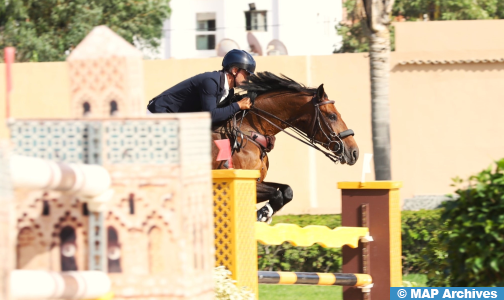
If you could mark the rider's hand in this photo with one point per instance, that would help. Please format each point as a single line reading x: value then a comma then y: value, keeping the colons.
x: 244, y: 103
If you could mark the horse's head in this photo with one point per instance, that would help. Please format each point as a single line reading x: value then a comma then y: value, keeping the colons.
x: 327, y: 128
x: 284, y: 103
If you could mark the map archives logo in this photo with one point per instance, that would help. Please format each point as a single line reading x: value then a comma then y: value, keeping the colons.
x: 400, y: 293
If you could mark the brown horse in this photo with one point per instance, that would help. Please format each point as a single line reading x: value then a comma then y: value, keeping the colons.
x: 282, y: 103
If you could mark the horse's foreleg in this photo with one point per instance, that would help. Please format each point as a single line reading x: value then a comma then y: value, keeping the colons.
x: 278, y: 194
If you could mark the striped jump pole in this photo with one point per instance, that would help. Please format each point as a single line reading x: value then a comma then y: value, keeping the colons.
x: 343, y: 279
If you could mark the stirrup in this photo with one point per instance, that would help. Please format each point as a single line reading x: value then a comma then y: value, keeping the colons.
x: 265, y: 214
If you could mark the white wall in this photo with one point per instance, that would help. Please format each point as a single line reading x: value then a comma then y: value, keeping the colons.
x: 308, y: 27
x: 180, y: 29
x: 305, y: 28
x: 235, y: 22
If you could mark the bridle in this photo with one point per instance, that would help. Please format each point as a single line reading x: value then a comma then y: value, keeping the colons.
x: 336, y: 155
x: 331, y: 136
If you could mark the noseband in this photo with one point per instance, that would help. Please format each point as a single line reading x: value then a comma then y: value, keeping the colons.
x: 331, y: 136
x: 308, y: 138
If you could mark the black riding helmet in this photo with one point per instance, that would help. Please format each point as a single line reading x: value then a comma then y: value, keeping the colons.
x: 240, y: 59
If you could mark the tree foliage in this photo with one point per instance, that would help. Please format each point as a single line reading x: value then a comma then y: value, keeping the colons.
x: 355, y: 34
x: 438, y: 10
x: 46, y: 30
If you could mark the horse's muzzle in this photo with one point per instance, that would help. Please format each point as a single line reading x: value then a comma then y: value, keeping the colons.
x: 351, y: 155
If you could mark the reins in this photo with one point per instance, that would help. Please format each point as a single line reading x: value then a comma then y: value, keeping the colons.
x: 332, y: 137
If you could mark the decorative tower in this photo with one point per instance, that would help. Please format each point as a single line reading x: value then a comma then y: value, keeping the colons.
x: 154, y: 234
x: 106, y: 76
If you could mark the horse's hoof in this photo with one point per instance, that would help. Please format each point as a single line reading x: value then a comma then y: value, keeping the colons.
x: 265, y: 214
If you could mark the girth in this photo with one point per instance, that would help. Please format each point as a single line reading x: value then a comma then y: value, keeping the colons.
x: 266, y: 141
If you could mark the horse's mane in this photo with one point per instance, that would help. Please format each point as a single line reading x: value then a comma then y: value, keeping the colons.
x: 266, y: 82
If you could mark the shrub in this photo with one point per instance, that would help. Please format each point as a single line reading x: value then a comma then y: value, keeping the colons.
x: 417, y: 230
x: 474, y: 234
x: 434, y: 259
x: 225, y: 289
x: 286, y: 257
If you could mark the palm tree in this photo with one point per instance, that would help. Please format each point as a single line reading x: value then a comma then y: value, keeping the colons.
x: 377, y: 14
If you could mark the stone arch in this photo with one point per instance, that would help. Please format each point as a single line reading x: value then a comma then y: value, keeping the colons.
x: 157, y: 228
x: 154, y: 219
x: 156, y: 253
x: 26, y: 248
x: 118, y: 219
x: 113, y: 251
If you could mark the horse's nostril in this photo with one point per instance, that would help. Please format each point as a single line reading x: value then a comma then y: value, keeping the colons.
x: 355, y: 154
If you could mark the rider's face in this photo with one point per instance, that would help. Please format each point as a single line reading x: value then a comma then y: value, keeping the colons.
x: 241, y: 77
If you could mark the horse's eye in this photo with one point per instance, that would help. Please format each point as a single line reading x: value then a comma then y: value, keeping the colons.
x: 333, y: 117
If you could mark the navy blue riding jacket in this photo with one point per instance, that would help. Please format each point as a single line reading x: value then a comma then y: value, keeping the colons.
x: 199, y: 93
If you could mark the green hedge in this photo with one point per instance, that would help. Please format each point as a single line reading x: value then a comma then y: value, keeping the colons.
x: 468, y: 249
x: 417, y: 229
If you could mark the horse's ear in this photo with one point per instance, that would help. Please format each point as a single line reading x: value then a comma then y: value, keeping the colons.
x: 320, y: 92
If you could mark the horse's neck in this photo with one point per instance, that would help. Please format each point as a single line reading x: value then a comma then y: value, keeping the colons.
x: 285, y: 107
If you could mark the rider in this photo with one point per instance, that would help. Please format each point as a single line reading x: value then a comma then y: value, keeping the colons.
x: 205, y: 91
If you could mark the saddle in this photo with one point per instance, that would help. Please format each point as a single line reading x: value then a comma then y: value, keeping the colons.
x: 265, y: 141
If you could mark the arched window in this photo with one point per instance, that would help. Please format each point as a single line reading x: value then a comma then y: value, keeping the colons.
x: 113, y: 251
x: 113, y: 108
x: 86, y: 108
x: 156, y: 253
x: 68, y: 249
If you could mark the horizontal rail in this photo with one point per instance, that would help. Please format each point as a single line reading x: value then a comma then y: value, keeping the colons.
x: 344, y: 279
x: 309, y: 235
x: 36, y: 173
x: 34, y: 284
